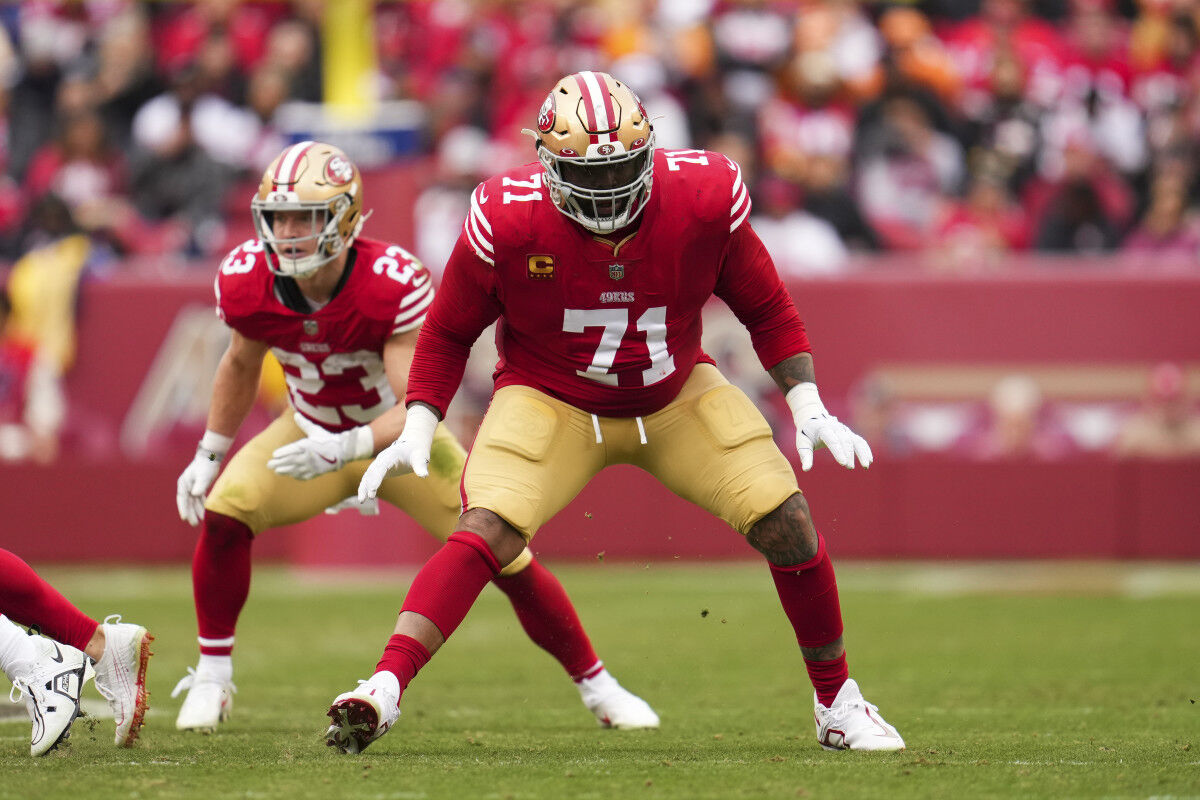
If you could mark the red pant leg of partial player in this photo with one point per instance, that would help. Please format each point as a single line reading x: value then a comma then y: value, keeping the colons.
x: 220, y: 580
x: 549, y: 618
x: 29, y: 600
x: 809, y: 595
x: 443, y: 592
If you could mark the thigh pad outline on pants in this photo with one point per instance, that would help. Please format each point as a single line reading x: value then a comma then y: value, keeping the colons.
x: 527, y: 461
x: 749, y: 477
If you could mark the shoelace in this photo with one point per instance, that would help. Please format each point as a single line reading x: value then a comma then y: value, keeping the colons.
x: 20, y: 688
x: 190, y: 680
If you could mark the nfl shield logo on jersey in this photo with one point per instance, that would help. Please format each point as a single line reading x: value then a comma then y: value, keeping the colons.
x: 616, y: 271
x: 310, y: 327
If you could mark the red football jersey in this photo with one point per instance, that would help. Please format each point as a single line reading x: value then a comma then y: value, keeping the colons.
x: 333, y: 357
x: 618, y: 333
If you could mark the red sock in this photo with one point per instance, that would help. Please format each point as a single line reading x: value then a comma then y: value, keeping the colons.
x: 448, y: 584
x: 29, y: 600
x: 809, y: 596
x: 220, y: 580
x: 827, y: 677
x: 549, y: 618
x: 403, y: 657
x: 443, y: 593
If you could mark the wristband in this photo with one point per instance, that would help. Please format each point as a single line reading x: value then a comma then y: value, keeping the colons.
x: 804, y: 401
x: 216, y: 444
x: 362, y: 443
x: 420, y: 424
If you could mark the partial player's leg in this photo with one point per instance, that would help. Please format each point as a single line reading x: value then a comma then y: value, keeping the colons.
x: 529, y: 460
x: 52, y: 674
x: 713, y: 447
x: 49, y: 676
x: 247, y: 499
x: 542, y: 605
x: 28, y: 599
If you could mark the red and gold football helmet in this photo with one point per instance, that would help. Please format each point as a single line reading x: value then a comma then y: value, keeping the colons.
x: 317, y: 178
x: 597, y: 145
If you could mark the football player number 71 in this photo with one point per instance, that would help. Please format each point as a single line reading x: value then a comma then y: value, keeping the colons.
x: 615, y: 321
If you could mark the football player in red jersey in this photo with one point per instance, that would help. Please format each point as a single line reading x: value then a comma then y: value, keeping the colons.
x: 341, y: 314
x: 597, y: 260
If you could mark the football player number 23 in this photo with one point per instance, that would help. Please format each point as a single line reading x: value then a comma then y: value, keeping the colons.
x: 615, y: 322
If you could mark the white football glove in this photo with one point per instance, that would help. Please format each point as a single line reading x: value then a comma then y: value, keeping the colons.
x: 816, y: 427
x: 367, y: 509
x: 321, y: 451
x: 409, y: 453
x: 195, y: 481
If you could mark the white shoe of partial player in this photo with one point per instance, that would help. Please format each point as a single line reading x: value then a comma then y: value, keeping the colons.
x: 121, y: 676
x: 614, y: 705
x: 208, y: 703
x: 361, y: 716
x: 51, y: 687
x: 852, y: 723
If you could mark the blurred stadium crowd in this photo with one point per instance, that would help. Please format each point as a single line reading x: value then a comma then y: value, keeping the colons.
x: 959, y: 132
x: 971, y: 128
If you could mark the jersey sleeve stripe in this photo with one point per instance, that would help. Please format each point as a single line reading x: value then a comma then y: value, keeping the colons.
x: 417, y: 295
x: 737, y: 179
x: 477, y: 211
x: 413, y: 317
x: 740, y: 210
x: 480, y: 245
x: 481, y: 235
x: 479, y: 251
x: 478, y: 230
x: 409, y: 326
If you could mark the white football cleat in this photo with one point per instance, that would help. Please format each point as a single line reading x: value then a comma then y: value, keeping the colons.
x: 852, y: 723
x: 208, y: 703
x: 614, y: 705
x: 361, y: 716
x: 51, y: 687
x: 121, y: 676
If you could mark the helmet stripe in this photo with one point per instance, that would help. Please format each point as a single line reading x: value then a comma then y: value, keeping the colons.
x: 285, y: 173
x: 588, y: 106
x: 598, y: 104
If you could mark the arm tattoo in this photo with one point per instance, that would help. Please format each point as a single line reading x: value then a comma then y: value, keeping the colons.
x: 793, y: 371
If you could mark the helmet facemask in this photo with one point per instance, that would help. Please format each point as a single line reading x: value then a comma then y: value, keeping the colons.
x: 315, y: 183
x: 596, y: 145
x: 325, y: 222
x: 603, y: 193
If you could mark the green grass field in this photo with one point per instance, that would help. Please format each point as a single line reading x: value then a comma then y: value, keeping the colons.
x: 1031, y: 681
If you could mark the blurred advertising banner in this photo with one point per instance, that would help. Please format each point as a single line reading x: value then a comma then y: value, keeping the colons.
x: 995, y: 405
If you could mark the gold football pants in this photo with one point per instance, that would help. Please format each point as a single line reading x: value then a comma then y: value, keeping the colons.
x: 710, y: 446
x: 262, y: 499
